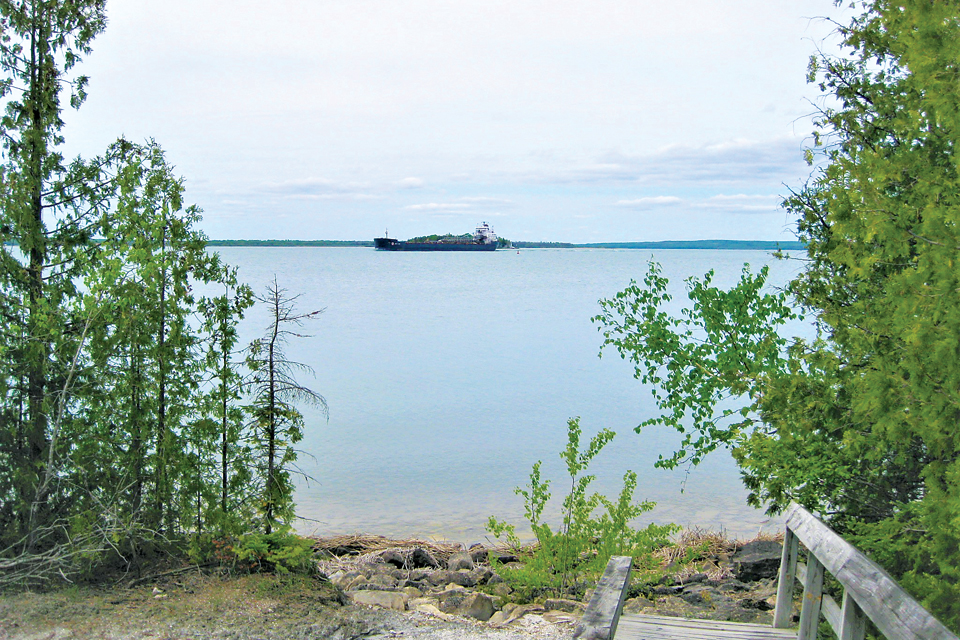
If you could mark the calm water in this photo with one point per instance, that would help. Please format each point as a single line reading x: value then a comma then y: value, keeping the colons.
x: 449, y: 374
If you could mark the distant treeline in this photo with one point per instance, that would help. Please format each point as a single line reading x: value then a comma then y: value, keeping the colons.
x: 542, y: 245
x: 754, y: 245
x: 290, y: 243
x: 751, y: 245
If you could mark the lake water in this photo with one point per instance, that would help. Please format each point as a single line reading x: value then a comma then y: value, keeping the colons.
x: 449, y: 374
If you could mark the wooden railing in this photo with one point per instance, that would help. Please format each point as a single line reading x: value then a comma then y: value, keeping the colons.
x: 599, y: 621
x: 869, y: 592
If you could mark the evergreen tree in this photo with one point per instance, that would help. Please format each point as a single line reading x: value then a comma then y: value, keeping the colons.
x: 227, y: 418
x: 277, y: 423
x: 44, y: 209
x: 145, y: 268
x: 119, y: 416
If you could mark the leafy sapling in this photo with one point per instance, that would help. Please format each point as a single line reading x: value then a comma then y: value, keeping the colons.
x: 584, y: 541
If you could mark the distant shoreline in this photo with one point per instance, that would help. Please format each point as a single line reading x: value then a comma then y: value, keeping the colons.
x: 743, y: 245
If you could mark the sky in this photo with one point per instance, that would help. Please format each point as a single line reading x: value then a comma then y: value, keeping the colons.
x: 567, y: 120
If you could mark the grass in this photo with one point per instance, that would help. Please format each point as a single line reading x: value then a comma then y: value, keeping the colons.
x: 182, y: 606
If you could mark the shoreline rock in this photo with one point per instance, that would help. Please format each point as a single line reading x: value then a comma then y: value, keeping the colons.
x: 458, y: 583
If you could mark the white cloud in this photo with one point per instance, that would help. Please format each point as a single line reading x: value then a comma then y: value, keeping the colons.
x: 438, y: 206
x: 741, y: 202
x: 307, y: 189
x: 485, y: 200
x: 333, y: 196
x: 733, y: 164
x: 409, y: 183
x: 653, y: 201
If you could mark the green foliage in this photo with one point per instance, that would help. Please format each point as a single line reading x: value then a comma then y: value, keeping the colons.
x: 278, y: 552
x: 592, y: 529
x: 276, y: 423
x: 221, y: 315
x: 858, y: 424
x: 723, y: 346
x: 121, y: 424
x: 45, y: 208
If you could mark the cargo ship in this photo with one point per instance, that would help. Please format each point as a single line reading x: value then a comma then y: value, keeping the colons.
x: 483, y: 239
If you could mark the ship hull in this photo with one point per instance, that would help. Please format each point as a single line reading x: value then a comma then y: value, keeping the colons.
x: 389, y: 244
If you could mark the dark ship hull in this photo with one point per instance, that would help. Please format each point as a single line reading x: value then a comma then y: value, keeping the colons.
x: 390, y: 244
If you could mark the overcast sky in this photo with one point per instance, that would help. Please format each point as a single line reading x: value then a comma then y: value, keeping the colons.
x: 565, y: 120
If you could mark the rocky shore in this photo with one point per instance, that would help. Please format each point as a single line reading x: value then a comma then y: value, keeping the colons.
x: 713, y: 579
x: 371, y: 587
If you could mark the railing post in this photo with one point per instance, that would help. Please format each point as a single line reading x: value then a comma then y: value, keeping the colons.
x: 599, y: 621
x: 853, y: 623
x: 785, y: 586
x: 812, y: 598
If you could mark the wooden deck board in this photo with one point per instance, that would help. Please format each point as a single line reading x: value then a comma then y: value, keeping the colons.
x: 666, y: 628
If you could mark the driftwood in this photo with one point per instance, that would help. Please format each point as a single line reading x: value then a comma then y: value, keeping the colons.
x: 362, y: 544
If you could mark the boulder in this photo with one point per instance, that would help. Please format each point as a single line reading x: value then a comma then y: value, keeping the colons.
x: 512, y: 612
x: 412, y: 592
x: 562, y: 604
x: 560, y: 617
x: 384, y: 580
x: 353, y: 583
x: 385, y: 599
x: 343, y: 580
x: 476, y: 605
x: 756, y: 560
x: 413, y: 603
x: 636, y: 605
x: 433, y: 611
x: 478, y: 553
x: 761, y: 604
x: 482, y: 574
x: 703, y: 595
x: 393, y: 557
x: 462, y: 578
x: 498, y: 619
x: 762, y: 597
x: 461, y: 560
x: 503, y: 557
x: 438, y: 578
x: 371, y: 586
x: 733, y: 612
x: 665, y: 590
x: 451, y: 599
x: 421, y: 558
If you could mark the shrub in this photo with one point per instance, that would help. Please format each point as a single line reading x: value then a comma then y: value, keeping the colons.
x: 593, y: 527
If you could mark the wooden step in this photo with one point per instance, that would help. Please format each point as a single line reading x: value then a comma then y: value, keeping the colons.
x: 644, y: 627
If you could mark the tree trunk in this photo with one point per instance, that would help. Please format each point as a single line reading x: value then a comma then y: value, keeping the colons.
x: 38, y: 341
